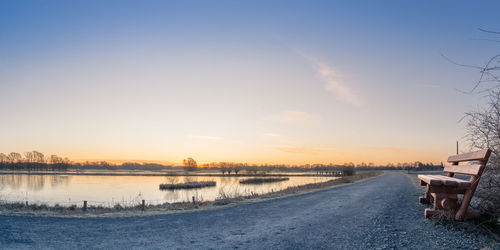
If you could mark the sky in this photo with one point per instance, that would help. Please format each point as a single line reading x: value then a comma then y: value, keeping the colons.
x: 289, y: 82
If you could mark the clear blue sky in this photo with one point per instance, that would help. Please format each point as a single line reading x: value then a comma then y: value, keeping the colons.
x: 248, y: 81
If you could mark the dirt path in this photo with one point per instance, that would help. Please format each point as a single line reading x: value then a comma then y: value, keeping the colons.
x: 382, y: 212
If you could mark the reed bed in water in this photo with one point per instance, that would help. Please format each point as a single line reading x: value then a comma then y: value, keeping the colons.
x: 263, y: 180
x: 188, y: 185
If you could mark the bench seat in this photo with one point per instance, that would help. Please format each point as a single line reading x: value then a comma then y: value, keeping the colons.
x: 441, y: 180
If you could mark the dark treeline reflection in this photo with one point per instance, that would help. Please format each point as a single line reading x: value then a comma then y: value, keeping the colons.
x: 33, y: 182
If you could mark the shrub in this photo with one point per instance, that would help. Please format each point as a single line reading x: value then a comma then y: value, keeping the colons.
x: 348, y: 171
x: 482, y: 132
x: 487, y: 198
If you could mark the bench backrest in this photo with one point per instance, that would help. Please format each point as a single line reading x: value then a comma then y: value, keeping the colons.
x: 481, y: 157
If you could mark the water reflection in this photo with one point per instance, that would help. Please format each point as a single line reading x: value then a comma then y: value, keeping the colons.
x: 32, y: 182
x: 129, y: 190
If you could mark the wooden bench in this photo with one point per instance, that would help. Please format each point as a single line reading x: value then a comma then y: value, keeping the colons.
x: 444, y: 190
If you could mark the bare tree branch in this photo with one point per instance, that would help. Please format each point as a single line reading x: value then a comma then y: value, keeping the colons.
x: 489, y: 31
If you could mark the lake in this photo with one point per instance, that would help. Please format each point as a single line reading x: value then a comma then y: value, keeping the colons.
x: 108, y: 190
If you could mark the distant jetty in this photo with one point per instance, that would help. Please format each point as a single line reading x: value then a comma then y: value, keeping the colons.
x: 263, y: 180
x: 188, y: 185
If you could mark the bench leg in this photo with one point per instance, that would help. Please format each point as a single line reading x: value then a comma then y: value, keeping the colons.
x: 444, y: 206
x: 437, y: 200
x: 462, y: 211
x: 426, y: 198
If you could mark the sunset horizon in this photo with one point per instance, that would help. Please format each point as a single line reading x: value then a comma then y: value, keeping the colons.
x: 249, y: 124
x: 273, y: 161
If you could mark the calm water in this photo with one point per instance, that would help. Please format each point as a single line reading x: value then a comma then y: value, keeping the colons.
x: 66, y: 190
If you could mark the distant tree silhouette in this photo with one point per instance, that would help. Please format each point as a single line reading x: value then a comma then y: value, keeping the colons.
x: 29, y: 157
x: 3, y: 160
x: 223, y: 168
x: 14, y: 157
x: 33, y: 160
x: 189, y: 164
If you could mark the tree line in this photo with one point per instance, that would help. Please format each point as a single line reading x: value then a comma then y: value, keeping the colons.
x: 33, y: 160
x: 229, y: 167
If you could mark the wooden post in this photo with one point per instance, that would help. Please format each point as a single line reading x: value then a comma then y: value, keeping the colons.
x: 84, y: 205
x: 193, y: 199
x: 454, y: 163
x: 143, y: 205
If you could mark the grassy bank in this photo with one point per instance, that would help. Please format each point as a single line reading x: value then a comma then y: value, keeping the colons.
x: 223, y: 199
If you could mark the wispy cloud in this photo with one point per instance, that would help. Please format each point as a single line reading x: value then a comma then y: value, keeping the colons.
x: 300, y: 150
x: 297, y: 117
x: 333, y: 81
x: 204, y: 137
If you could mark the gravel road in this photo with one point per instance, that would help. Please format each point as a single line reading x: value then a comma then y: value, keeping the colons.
x: 382, y: 212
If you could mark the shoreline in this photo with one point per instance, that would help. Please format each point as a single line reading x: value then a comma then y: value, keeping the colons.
x: 162, y: 173
x: 18, y: 209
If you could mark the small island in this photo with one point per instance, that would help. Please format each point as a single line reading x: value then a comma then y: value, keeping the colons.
x: 263, y: 180
x: 188, y: 185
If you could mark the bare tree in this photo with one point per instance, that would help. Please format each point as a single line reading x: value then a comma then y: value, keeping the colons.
x: 66, y: 161
x: 33, y: 160
x: 483, y: 131
x: 28, y: 156
x: 54, y: 159
x: 489, y: 73
x: 223, y: 168
x: 38, y: 157
x: 189, y: 164
x: 3, y: 159
x: 14, y: 158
